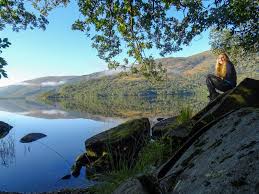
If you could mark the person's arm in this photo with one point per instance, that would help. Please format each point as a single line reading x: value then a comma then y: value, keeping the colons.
x: 230, y: 70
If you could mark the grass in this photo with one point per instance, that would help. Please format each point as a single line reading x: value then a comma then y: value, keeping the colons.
x: 185, y: 115
x: 151, y: 155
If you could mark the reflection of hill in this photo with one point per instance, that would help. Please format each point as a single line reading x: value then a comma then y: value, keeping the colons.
x: 103, y: 109
x: 21, y: 105
x: 125, y: 107
x: 47, y: 111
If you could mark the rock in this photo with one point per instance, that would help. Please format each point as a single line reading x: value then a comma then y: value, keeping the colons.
x: 224, y: 159
x: 141, y: 184
x: 32, y: 137
x: 163, y: 126
x: 160, y: 119
x: 247, y: 90
x: 131, y: 186
x: 82, y: 160
x: 115, y: 147
x: 4, y: 129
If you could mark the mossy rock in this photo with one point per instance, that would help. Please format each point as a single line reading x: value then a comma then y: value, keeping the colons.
x: 163, y: 126
x: 122, y: 131
x: 119, y: 144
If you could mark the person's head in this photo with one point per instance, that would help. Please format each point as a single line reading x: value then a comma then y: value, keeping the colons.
x: 222, y: 58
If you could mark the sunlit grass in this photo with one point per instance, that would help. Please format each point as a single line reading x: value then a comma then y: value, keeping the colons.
x: 185, y: 115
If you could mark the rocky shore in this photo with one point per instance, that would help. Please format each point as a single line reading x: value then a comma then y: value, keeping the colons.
x: 216, y: 151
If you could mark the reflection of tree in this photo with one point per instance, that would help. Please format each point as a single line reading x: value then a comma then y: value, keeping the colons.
x: 7, y: 150
x: 27, y: 149
x: 133, y: 106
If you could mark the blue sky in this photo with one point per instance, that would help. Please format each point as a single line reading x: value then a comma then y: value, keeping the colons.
x: 61, y: 51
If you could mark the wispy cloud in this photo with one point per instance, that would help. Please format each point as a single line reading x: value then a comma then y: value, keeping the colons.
x: 52, y: 83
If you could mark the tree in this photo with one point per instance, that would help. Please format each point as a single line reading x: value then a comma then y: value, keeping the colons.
x: 164, y: 24
x: 15, y: 13
x: 4, y: 43
x: 145, y: 24
x: 225, y: 41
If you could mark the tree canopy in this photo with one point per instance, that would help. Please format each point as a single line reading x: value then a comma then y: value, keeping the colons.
x: 166, y: 25
x: 4, y: 43
x: 20, y: 15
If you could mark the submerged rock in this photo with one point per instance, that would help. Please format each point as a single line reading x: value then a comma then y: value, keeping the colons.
x: 32, y: 137
x: 68, y: 176
x: 4, y: 129
x: 81, y: 161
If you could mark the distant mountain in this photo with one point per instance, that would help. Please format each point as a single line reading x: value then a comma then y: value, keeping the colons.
x: 199, y: 63
x: 176, y: 66
x: 31, y: 88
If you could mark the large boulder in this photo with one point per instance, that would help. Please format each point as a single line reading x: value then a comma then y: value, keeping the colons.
x: 4, y: 129
x: 115, y: 147
x: 225, y: 159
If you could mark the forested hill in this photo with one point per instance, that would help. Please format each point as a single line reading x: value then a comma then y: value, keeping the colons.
x: 199, y: 63
x: 185, y: 75
x: 34, y: 87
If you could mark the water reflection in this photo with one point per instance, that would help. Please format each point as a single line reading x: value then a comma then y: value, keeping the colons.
x: 67, y: 125
x: 7, y: 150
x: 47, y: 160
x: 104, y: 109
x: 131, y: 106
x: 27, y: 149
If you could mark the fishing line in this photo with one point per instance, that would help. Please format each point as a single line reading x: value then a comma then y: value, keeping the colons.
x: 66, y: 161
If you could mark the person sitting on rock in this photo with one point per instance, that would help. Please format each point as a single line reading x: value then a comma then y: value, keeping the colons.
x: 225, y: 78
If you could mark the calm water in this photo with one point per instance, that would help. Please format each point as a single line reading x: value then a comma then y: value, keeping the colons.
x: 39, y: 166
